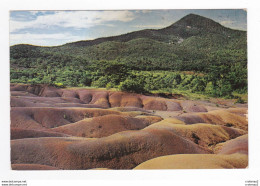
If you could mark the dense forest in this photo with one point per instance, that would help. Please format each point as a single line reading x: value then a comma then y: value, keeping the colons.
x: 195, y: 54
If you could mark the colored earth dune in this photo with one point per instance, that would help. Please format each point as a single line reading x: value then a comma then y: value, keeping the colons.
x: 80, y: 128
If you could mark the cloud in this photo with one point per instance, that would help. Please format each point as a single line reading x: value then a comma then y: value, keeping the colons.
x: 44, y: 39
x: 226, y: 22
x: 36, y: 12
x: 72, y: 19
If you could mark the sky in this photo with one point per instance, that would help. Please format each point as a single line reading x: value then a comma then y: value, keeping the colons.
x: 52, y: 28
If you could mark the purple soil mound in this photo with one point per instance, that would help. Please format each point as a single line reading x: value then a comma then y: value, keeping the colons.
x: 190, y: 106
x: 219, y: 117
x: 42, y: 118
x: 23, y: 133
x: 237, y: 145
x: 32, y: 167
x: 123, y: 150
x: 105, y: 125
x: 196, y: 161
x: 103, y: 98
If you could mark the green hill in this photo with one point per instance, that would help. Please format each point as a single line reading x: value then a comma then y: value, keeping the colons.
x: 194, y: 43
x: 190, y: 39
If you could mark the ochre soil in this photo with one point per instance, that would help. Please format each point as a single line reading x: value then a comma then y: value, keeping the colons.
x: 80, y: 128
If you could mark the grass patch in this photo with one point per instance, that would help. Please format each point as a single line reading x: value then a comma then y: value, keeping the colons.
x: 186, y: 94
x: 241, y: 98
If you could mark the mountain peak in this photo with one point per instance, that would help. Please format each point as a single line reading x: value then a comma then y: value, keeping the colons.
x: 194, y: 20
x: 193, y: 24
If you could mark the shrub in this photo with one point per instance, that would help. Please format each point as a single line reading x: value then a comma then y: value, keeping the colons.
x: 198, y: 84
x: 240, y: 100
x: 132, y: 85
x: 110, y: 85
x: 101, y: 82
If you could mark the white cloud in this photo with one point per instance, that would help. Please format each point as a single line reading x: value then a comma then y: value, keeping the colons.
x: 36, y: 12
x: 44, y: 39
x: 227, y: 22
x: 75, y: 19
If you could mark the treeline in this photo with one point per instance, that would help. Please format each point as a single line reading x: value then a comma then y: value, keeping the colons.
x: 140, y: 65
x: 218, y: 81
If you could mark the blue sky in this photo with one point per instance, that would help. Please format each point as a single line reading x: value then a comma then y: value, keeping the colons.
x: 51, y: 28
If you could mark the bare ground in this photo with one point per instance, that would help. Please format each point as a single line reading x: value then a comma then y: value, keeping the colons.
x: 79, y: 128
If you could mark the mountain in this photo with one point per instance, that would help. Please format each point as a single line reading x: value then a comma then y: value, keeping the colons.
x: 190, y: 25
x: 192, y: 43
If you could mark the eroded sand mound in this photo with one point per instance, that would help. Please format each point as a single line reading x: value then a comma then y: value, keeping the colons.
x: 33, y: 101
x: 237, y: 145
x: 238, y: 111
x: 120, y: 99
x: 223, y: 117
x: 41, y: 117
x: 123, y: 150
x: 149, y: 119
x: 196, y: 161
x: 79, y: 128
x: 18, y: 87
x: 21, y: 93
x: 40, y: 90
x: 189, y: 106
x: 32, y: 167
x: 100, y: 98
x: 205, y: 135
x: 105, y: 125
x: 129, y: 109
x: 17, y: 133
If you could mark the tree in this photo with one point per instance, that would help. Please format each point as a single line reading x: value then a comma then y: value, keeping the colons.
x: 133, y: 85
x: 114, y: 70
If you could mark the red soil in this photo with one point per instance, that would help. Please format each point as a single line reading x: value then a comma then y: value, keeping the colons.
x: 104, y: 98
x: 78, y: 128
x: 17, y: 133
x: 122, y: 150
x: 42, y: 118
x: 32, y: 167
x: 205, y: 135
x: 196, y: 161
x: 237, y: 145
x: 103, y: 126
x: 223, y: 117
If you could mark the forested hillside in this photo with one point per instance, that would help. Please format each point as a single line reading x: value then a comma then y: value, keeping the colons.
x: 144, y: 61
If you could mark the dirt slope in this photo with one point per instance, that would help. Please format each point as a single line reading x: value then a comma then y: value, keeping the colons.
x: 237, y: 145
x: 103, y: 126
x: 17, y: 133
x: 97, y: 97
x: 196, y: 161
x: 32, y: 167
x: 80, y: 128
x: 123, y: 150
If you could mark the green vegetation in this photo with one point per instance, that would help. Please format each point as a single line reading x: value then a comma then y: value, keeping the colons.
x: 217, y: 83
x: 147, y: 61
